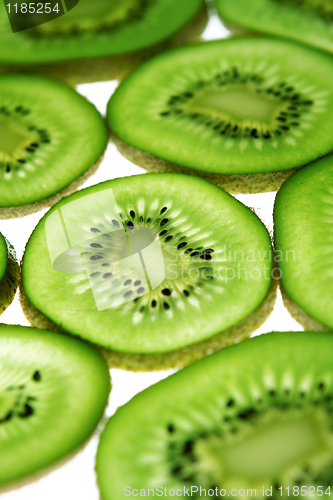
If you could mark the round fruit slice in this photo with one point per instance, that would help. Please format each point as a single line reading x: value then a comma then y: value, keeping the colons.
x: 309, y: 21
x: 303, y: 239
x: 47, y: 148
x: 227, y: 108
x: 151, y: 267
x: 128, y: 30
x: 9, y: 273
x: 53, y: 392
x: 253, y: 416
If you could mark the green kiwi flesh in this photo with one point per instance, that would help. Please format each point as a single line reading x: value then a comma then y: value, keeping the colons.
x: 303, y: 234
x: 252, y: 416
x: 9, y: 273
x: 208, y: 269
x: 96, y: 29
x: 51, y: 138
x: 238, y: 106
x: 53, y: 393
x: 308, y: 21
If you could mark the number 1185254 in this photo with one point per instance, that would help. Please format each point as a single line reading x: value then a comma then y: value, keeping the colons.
x: 32, y: 8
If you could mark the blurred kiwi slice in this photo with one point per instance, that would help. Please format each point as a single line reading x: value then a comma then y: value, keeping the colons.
x: 256, y: 416
x: 9, y: 273
x: 303, y: 240
x: 241, y: 113
x: 53, y: 393
x: 158, y: 270
x: 51, y: 141
x: 306, y: 21
x: 99, y: 40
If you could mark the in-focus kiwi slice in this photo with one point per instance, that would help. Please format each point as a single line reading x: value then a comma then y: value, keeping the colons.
x: 254, y: 416
x: 9, y: 273
x: 307, y: 21
x: 158, y: 269
x: 100, y: 40
x: 51, y: 140
x: 303, y: 239
x: 242, y: 113
x: 53, y: 392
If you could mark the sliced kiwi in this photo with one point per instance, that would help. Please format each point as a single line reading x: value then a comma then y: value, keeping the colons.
x: 242, y: 112
x: 100, y: 40
x: 9, y: 273
x: 303, y: 239
x: 157, y: 269
x: 51, y: 140
x: 307, y: 21
x: 254, y: 416
x: 53, y: 392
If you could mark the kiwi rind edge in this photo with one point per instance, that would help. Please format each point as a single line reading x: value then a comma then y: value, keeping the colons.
x: 261, y: 182
x: 174, y: 359
x: 10, y: 279
x: 307, y: 322
x: 21, y: 211
x: 115, y: 67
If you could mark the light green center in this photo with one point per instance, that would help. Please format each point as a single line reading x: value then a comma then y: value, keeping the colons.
x: 238, y: 104
x: 267, y: 451
x: 10, y: 139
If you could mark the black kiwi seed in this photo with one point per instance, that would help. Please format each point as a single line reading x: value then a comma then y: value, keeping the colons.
x: 96, y: 257
x: 206, y: 256
x: 154, y: 304
x: 132, y: 214
x: 163, y: 232
x: 94, y: 230
x: 166, y: 305
x: 28, y: 411
x: 127, y: 282
x: 166, y: 291
x: 181, y: 245
x: 140, y: 290
x: 164, y: 209
x: 188, y: 250
x: 94, y: 274
x: 195, y: 254
x: 164, y: 221
x: 168, y: 238
x: 115, y: 223
x: 137, y: 283
x: 130, y: 225
x: 171, y: 428
x: 107, y: 275
x: 230, y: 403
x: 37, y: 376
x: 127, y: 294
x: 96, y: 245
x: 186, y: 293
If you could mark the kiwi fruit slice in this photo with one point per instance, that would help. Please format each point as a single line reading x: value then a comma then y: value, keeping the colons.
x: 242, y: 113
x: 157, y: 269
x: 51, y: 141
x: 256, y: 416
x: 303, y: 243
x: 9, y: 273
x: 306, y: 21
x: 101, y: 40
x: 53, y: 393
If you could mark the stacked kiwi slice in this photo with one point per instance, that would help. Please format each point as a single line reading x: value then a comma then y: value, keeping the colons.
x: 241, y: 113
x: 9, y: 273
x: 303, y: 240
x: 134, y: 266
x: 98, y: 40
x: 307, y: 21
x: 51, y: 141
x: 254, y: 417
x: 53, y: 392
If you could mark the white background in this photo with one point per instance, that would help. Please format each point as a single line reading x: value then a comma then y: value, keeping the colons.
x: 76, y: 479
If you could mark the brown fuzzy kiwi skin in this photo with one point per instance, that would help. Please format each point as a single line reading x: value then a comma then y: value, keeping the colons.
x: 307, y: 322
x: 262, y: 182
x: 115, y: 67
x: 174, y: 359
x: 21, y: 211
x: 10, y: 279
